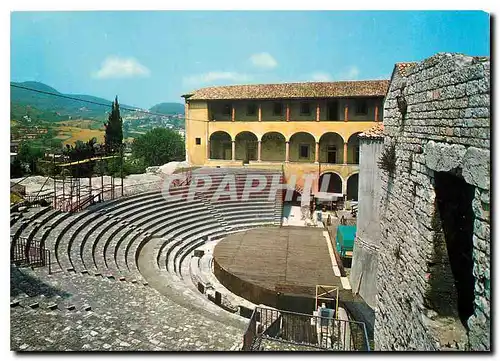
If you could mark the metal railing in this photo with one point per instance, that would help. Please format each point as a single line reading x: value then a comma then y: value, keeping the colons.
x: 326, y: 333
x: 30, y: 254
x: 38, y: 197
x: 250, y: 335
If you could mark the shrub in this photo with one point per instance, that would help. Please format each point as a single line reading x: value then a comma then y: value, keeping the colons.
x: 130, y: 166
x: 387, y: 161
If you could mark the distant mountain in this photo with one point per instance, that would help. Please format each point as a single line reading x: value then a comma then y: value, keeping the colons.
x: 168, y: 108
x: 38, y: 86
x: 55, y: 108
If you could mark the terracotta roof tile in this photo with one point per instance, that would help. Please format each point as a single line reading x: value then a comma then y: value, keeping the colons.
x: 293, y: 90
x: 377, y: 131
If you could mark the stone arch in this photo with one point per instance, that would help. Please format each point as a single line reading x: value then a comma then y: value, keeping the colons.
x: 353, y: 148
x: 352, y: 187
x: 331, y: 148
x: 220, y: 145
x: 332, y: 171
x: 246, y: 146
x: 302, y: 147
x: 273, y: 147
x: 330, y: 182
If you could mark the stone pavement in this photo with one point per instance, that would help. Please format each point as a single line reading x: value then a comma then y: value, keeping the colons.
x: 272, y: 345
x: 122, y: 317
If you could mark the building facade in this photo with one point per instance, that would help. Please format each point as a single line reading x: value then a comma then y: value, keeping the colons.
x: 303, y: 128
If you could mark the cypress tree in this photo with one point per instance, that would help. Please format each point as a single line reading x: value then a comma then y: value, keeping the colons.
x: 113, y: 137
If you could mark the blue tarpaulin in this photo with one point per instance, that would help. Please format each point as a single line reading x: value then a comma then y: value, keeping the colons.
x: 345, y: 240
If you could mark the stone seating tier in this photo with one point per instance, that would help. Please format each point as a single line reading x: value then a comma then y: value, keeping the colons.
x: 142, y: 239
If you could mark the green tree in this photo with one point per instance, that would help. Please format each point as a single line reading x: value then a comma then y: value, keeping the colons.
x: 79, y: 152
x: 16, y: 168
x: 130, y: 166
x: 29, y: 154
x: 113, y: 136
x: 159, y: 146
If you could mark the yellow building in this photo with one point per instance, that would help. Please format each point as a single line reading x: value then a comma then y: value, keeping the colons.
x: 302, y: 128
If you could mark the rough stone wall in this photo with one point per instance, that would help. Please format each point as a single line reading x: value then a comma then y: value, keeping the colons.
x: 363, y: 276
x: 446, y: 129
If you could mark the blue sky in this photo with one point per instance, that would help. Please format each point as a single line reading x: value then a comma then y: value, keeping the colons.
x: 151, y: 57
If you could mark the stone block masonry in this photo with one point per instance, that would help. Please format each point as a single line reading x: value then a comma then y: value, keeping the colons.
x: 433, y: 275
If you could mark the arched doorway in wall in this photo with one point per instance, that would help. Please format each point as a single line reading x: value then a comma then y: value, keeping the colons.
x: 353, y: 149
x: 352, y: 187
x: 220, y: 146
x: 273, y: 147
x: 302, y: 147
x: 330, y: 182
x: 246, y: 146
x: 331, y: 148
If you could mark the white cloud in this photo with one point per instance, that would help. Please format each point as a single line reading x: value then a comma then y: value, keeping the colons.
x: 116, y: 67
x: 213, y: 76
x: 351, y: 73
x: 320, y: 76
x: 263, y: 60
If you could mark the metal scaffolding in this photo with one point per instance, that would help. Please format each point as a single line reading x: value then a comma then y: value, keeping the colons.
x: 70, y: 195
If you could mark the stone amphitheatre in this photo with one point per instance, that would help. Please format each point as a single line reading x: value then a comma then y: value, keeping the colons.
x: 174, y: 266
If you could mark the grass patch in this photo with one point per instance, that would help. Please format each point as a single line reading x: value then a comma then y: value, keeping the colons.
x: 70, y: 134
x: 15, y: 198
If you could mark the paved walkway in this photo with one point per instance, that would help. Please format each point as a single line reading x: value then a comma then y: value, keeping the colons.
x: 123, y: 317
x: 295, y: 218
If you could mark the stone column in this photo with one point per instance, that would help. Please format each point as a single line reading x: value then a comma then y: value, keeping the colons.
x: 316, y: 184
x: 259, y: 150
x: 287, y: 152
x: 345, y: 153
x: 316, y: 153
x: 376, y: 113
x: 233, y: 150
x: 233, y: 112
x: 260, y: 112
x: 187, y: 131
x: 346, y: 112
x: 317, y: 111
x: 287, y: 111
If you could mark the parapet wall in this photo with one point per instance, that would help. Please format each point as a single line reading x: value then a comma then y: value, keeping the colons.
x: 437, y: 117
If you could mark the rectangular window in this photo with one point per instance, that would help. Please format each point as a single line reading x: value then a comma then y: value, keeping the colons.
x: 277, y: 109
x: 361, y: 107
x: 304, y: 151
x: 227, y: 109
x: 333, y: 110
x: 305, y: 108
x: 331, y: 154
x: 198, y: 141
x: 251, y: 109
